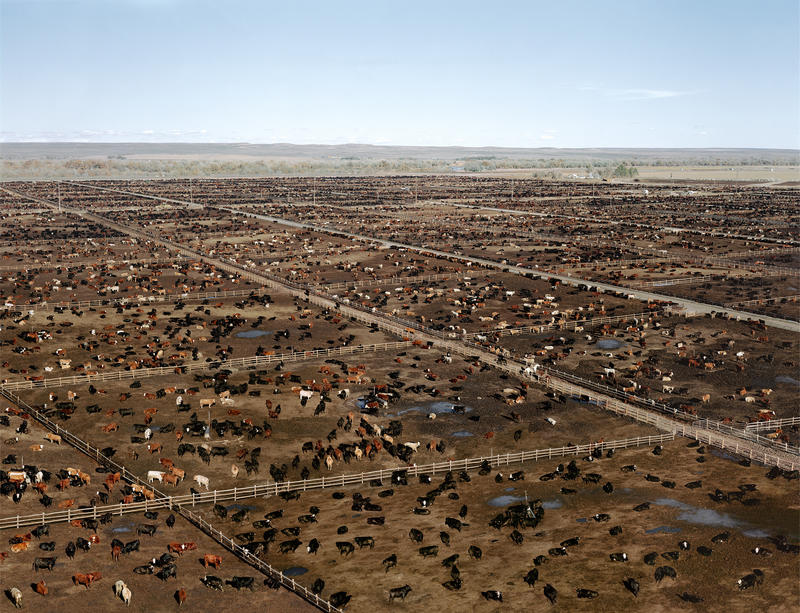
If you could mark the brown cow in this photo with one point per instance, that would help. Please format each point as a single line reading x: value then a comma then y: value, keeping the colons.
x: 180, y: 596
x: 66, y: 504
x: 81, y: 579
x: 170, y: 479
x: 212, y: 560
x: 19, y: 547
x: 115, y: 551
x: 41, y: 588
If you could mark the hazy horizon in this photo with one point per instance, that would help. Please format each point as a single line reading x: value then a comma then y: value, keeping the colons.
x: 521, y: 74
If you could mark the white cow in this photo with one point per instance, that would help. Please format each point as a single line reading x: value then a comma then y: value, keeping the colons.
x: 201, y: 480
x: 126, y: 596
x: 155, y: 475
x: 118, y: 587
x: 16, y: 596
x: 413, y: 446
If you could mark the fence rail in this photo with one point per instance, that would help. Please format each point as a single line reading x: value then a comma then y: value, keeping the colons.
x: 139, y: 299
x: 245, y: 363
x: 569, y: 324
x: 275, y: 488
x: 161, y: 502
x: 405, y: 280
x: 772, y: 424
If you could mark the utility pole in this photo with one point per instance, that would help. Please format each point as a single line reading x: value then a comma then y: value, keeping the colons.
x: 314, y: 191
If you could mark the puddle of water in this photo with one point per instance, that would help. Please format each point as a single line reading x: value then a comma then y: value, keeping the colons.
x: 295, y: 571
x: 462, y: 433
x: 756, y: 533
x: 701, y: 516
x: 725, y: 456
x: 582, y: 520
x: 610, y: 343
x: 552, y: 504
x: 505, y: 500
x: 785, y: 379
x: 240, y: 507
x: 437, y: 407
x: 252, y: 333
x: 509, y: 489
x: 664, y: 529
x: 118, y: 529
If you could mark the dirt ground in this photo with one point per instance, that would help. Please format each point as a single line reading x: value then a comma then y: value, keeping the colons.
x: 148, y: 592
x: 675, y: 515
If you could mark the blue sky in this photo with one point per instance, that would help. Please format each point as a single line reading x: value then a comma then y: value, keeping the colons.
x: 639, y: 73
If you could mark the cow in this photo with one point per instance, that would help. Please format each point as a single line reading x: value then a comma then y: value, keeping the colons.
x: 155, y: 475
x: 148, y: 529
x: 42, y: 563
x: 365, y: 541
x: 430, y: 550
x: 118, y: 587
x: 16, y: 597
x: 241, y: 582
x: 345, y: 547
x: 399, y: 592
x: 212, y: 560
x: 212, y: 582
x: 201, y: 481
x: 180, y: 596
x: 126, y: 595
x: 41, y: 588
x: 493, y: 595
x: 292, y: 545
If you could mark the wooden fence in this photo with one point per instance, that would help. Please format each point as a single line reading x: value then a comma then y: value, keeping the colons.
x: 136, y: 300
x: 248, y: 363
x: 160, y: 502
x: 569, y: 324
x: 772, y: 424
x: 345, y: 480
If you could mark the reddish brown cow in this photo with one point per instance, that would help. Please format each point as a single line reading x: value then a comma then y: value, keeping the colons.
x: 41, y: 588
x: 180, y: 596
x: 212, y: 560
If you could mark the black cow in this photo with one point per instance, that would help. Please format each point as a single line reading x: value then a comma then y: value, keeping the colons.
x: 365, y: 541
x: 632, y: 585
x: 430, y: 550
x: 345, y: 547
x: 340, y: 599
x: 390, y: 562
x: 148, y: 529
x: 399, y: 592
x: 493, y: 595
x: 241, y: 582
x: 287, y: 546
x: 212, y: 582
x: 42, y: 563
x: 584, y: 593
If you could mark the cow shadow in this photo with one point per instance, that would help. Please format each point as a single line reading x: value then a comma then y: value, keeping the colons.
x: 9, y: 596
